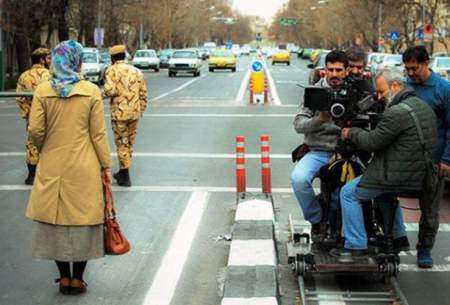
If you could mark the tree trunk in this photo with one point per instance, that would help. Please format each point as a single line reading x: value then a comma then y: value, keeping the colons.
x: 63, y: 28
x: 22, y: 53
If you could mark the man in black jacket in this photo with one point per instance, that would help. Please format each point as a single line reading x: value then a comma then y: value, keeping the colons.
x: 398, y: 164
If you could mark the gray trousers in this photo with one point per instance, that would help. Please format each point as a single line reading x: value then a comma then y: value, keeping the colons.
x: 429, y: 218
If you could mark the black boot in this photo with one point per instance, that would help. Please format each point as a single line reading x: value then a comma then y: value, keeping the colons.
x: 31, y: 174
x: 122, y: 177
x: 125, y: 178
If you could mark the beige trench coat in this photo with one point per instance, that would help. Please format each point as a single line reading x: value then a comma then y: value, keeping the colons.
x: 71, y: 137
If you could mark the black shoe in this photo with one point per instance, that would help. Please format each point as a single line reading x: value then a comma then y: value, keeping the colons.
x: 31, y: 174
x: 123, y: 177
x: 318, y: 231
x: 401, y: 244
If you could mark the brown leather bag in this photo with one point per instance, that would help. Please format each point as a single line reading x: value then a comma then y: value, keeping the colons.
x: 115, y: 241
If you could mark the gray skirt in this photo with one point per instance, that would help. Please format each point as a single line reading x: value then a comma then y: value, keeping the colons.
x: 67, y: 243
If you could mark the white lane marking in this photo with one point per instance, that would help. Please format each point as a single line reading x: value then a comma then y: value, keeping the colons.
x: 165, y: 282
x: 415, y: 268
x: 249, y: 301
x: 162, y: 188
x: 176, y: 155
x: 273, y: 89
x: 220, y: 115
x: 253, y: 252
x: 177, y: 89
x: 412, y: 227
x: 198, y: 115
x: 254, y: 210
x: 287, y: 82
x: 243, y: 88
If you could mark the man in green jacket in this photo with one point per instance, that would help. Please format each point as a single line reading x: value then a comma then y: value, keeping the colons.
x: 398, y: 163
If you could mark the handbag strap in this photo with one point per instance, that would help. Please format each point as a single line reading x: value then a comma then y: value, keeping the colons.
x: 416, y: 122
x: 426, y: 153
x: 110, y: 212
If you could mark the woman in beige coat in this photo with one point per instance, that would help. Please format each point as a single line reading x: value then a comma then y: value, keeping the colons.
x: 66, y: 203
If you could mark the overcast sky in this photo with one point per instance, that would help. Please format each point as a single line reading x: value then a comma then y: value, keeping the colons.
x: 263, y: 8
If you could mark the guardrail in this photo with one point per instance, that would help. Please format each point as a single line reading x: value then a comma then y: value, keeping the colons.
x: 4, y: 94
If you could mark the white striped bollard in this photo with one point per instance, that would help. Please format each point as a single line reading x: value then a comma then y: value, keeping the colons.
x: 266, y: 174
x: 240, y: 165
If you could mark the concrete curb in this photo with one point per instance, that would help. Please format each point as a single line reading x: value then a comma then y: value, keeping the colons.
x: 251, y: 273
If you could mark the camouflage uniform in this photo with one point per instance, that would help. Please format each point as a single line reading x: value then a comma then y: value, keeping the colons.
x: 126, y: 86
x: 27, y: 82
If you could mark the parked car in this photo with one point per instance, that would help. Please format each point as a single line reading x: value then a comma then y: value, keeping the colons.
x: 318, y: 69
x: 281, y: 56
x: 185, y: 61
x: 441, y: 65
x: 441, y: 54
x: 146, y: 59
x: 387, y: 61
x: 92, y: 67
x: 164, y: 56
x: 373, y: 60
x: 222, y: 59
x: 236, y: 49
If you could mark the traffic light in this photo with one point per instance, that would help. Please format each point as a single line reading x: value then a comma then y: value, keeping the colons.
x: 258, y: 37
x: 428, y: 28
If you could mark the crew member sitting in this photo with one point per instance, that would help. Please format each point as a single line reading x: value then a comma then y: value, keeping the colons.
x: 398, y: 164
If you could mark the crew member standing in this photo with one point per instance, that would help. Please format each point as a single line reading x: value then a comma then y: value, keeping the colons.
x: 28, y: 80
x: 126, y: 86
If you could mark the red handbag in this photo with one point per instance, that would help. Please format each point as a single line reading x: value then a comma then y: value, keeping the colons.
x: 114, y: 239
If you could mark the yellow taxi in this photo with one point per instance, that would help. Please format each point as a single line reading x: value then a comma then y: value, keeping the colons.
x: 281, y: 56
x: 222, y: 59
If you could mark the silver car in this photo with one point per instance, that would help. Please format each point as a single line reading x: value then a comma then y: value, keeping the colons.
x: 93, y: 68
x: 441, y: 65
x: 146, y: 59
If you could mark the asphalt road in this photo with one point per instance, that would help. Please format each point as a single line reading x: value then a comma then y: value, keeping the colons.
x: 183, y: 198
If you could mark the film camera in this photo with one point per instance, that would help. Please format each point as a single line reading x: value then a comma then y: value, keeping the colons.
x: 352, y: 105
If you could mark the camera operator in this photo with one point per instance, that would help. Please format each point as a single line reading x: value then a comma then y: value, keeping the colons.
x: 398, y: 163
x: 320, y: 136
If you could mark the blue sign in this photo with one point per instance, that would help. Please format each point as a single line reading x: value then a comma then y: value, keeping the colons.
x: 257, y: 66
x: 420, y: 34
x: 394, y: 35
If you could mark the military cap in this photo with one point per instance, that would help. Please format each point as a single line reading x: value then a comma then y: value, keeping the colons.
x: 41, y: 51
x: 117, y: 49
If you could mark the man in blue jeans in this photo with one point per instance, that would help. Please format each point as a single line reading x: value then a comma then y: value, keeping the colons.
x: 435, y: 91
x: 321, y: 135
x: 398, y: 163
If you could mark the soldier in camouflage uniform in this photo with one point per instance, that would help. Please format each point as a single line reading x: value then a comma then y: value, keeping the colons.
x: 28, y: 80
x: 126, y: 86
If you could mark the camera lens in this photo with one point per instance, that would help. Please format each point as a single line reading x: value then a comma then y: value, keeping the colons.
x: 337, y: 110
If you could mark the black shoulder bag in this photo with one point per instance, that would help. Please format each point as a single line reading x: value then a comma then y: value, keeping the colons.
x: 431, y: 169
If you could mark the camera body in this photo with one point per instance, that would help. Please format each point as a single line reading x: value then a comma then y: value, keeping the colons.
x: 354, y: 104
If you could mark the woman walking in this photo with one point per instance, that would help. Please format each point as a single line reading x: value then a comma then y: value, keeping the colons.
x: 66, y: 203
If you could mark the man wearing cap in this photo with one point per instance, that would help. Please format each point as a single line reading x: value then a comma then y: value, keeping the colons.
x: 126, y: 86
x: 28, y: 80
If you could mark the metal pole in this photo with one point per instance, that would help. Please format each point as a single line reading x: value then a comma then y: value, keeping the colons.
x: 380, y: 20
x: 99, y: 22
x: 2, y: 70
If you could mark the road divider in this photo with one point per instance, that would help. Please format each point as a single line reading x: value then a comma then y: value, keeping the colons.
x: 242, y: 89
x: 251, y: 273
x: 273, y: 89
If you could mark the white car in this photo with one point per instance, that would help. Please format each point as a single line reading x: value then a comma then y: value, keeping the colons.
x: 391, y: 61
x: 441, y: 65
x: 146, y: 59
x: 92, y: 68
x: 245, y: 51
x: 185, y: 61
